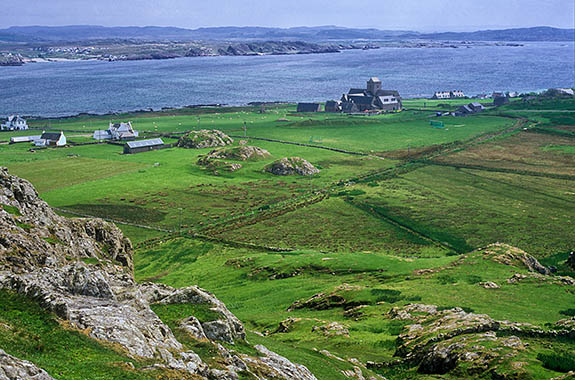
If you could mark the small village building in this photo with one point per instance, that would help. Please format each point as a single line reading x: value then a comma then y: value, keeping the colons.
x: 469, y: 109
x: 370, y: 99
x: 565, y: 91
x: 118, y: 132
x: 441, y: 95
x: 143, y: 146
x: 455, y: 94
x: 333, y: 106
x: 14, y: 123
x: 51, y: 139
x: 24, y: 139
x: 308, y: 107
x: 497, y: 94
x: 500, y: 100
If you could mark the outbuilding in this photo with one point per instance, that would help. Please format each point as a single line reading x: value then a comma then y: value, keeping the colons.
x: 308, y: 107
x: 143, y: 146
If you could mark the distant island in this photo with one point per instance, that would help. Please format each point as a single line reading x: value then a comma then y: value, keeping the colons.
x: 19, y: 45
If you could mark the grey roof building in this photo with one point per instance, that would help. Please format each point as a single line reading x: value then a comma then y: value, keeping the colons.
x: 371, y: 98
x: 308, y: 107
x: 143, y: 146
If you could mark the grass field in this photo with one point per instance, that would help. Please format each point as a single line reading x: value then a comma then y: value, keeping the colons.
x: 360, y: 230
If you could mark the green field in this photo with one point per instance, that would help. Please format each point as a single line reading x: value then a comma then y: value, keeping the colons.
x: 399, y: 225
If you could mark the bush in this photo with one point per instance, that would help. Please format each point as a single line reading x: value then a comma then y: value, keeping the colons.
x: 473, y: 279
x: 558, y: 361
x: 387, y: 295
x: 446, y: 279
x: 568, y: 312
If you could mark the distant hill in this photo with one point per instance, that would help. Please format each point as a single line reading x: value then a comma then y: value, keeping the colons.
x: 322, y: 33
x: 541, y: 33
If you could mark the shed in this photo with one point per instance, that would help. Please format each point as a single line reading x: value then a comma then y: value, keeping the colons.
x: 143, y: 146
x: 308, y: 107
x: 23, y: 139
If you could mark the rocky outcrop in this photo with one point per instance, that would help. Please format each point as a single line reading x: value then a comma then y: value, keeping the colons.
x: 276, y: 366
x: 509, y: 255
x: 467, y: 344
x: 82, y: 270
x: 204, y: 139
x: 239, y: 153
x: 12, y: 368
x: 291, y: 166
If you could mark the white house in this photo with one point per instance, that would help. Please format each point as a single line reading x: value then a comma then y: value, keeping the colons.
x: 23, y: 139
x: 441, y: 95
x: 14, y: 123
x: 117, y: 131
x: 448, y: 94
x: 51, y: 139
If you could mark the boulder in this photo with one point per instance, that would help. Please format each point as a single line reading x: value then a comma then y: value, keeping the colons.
x: 12, y: 368
x: 489, y: 285
x: 43, y: 256
x: 204, y: 139
x: 291, y: 166
x: 239, y: 153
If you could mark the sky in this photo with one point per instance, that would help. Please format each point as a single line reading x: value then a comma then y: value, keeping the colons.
x: 419, y: 15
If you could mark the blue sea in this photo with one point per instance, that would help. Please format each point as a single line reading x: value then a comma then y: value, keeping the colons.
x: 67, y: 88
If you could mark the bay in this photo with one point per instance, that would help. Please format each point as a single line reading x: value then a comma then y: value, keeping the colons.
x: 67, y: 88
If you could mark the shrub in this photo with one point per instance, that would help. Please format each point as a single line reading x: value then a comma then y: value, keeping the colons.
x: 568, y: 312
x: 445, y: 279
x: 387, y: 295
x: 558, y: 361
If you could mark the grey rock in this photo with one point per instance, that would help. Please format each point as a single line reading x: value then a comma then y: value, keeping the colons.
x: 291, y: 166
x: 12, y: 368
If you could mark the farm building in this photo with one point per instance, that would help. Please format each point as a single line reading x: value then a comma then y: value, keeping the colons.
x: 117, y: 131
x: 14, y: 123
x: 469, y: 109
x: 372, y: 98
x: 51, y: 139
x: 500, y: 100
x: 23, y: 139
x: 143, y: 146
x: 308, y: 107
x: 448, y: 94
x: 333, y: 106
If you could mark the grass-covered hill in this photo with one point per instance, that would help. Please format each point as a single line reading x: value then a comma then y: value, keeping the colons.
x: 464, y: 231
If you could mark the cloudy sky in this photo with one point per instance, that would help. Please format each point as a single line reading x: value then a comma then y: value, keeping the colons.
x: 424, y: 15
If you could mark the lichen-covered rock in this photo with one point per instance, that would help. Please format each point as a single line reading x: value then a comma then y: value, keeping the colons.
x: 273, y: 365
x: 332, y: 329
x: 204, y: 138
x: 438, y: 341
x: 82, y: 270
x: 291, y: 166
x: 12, y: 368
x: 509, y: 255
x: 239, y: 153
x: 489, y: 285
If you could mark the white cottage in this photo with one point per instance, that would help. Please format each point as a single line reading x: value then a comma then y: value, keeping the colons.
x: 14, y: 123
x: 117, y: 131
x: 51, y: 139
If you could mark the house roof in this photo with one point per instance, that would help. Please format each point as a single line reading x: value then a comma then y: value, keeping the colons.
x: 388, y: 92
x: 55, y: 136
x: 364, y: 100
x: 144, y: 143
x: 356, y: 91
x: 477, y: 105
x: 374, y: 80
